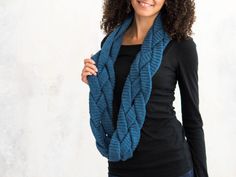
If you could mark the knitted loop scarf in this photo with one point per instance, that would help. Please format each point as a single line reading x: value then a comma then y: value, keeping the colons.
x: 119, y: 144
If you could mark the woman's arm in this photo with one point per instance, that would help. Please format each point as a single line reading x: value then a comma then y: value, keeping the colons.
x: 187, y: 75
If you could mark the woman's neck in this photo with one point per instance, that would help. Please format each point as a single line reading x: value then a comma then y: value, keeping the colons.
x: 139, y: 28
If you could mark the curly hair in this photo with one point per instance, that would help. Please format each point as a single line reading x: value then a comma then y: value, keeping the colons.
x: 178, y: 16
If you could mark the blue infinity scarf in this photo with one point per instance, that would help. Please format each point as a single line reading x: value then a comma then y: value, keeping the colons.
x: 119, y: 144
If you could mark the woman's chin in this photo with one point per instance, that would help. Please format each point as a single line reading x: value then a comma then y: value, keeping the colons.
x: 146, y: 9
x: 145, y: 14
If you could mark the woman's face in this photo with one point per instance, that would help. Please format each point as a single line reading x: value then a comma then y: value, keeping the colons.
x: 147, y: 7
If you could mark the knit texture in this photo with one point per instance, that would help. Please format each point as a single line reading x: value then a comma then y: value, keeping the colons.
x: 120, y: 143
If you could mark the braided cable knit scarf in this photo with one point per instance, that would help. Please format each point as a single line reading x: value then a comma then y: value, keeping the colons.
x: 119, y: 144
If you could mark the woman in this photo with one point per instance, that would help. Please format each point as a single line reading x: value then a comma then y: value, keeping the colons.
x: 164, y: 147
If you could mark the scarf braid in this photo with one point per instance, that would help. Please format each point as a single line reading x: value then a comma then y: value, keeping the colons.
x: 120, y: 143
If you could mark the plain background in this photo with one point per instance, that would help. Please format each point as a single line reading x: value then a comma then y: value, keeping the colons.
x: 44, y: 118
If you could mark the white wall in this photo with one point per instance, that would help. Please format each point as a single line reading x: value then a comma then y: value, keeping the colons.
x: 44, y: 119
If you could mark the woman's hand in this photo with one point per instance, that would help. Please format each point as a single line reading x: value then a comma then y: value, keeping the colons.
x: 89, y: 69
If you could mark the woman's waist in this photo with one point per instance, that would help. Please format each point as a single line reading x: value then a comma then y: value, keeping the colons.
x: 161, y: 127
x: 158, y: 160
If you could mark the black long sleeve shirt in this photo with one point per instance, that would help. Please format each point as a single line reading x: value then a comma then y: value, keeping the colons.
x: 167, y: 148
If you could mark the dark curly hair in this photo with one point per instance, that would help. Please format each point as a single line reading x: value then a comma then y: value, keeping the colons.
x: 178, y: 16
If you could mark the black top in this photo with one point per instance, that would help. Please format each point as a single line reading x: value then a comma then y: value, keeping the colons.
x: 166, y: 147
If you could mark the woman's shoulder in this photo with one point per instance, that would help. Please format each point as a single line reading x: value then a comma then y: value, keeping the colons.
x: 183, y: 47
x: 185, y: 43
x: 182, y: 52
x: 182, y: 44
